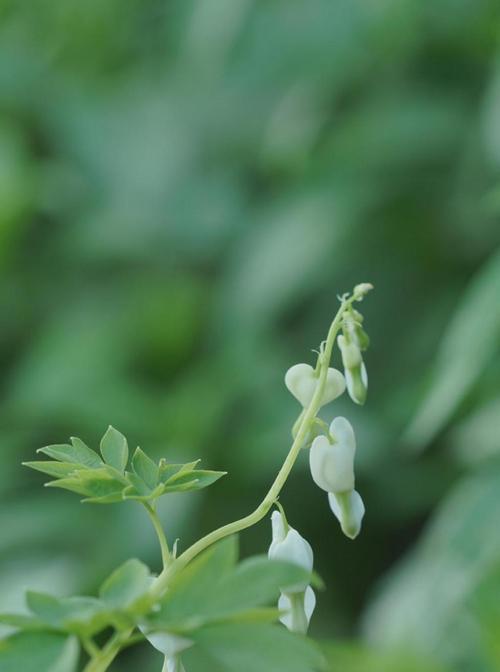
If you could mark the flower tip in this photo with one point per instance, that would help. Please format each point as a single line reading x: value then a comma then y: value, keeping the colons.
x: 361, y: 290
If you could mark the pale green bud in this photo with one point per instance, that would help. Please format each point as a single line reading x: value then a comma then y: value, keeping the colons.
x: 332, y: 465
x: 349, y: 509
x: 302, y: 380
x: 355, y: 373
x: 361, y: 290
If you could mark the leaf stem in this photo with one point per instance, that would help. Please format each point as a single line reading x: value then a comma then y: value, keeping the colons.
x: 304, y: 423
x: 165, y: 551
x: 105, y: 657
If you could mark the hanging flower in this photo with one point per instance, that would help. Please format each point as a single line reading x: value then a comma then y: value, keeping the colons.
x: 332, y: 464
x: 297, y: 601
x: 302, y: 380
x: 349, y: 510
x: 354, y: 369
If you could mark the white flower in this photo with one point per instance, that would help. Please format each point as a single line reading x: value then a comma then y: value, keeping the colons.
x: 299, y: 609
x: 298, y: 600
x: 301, y: 380
x: 332, y: 465
x: 289, y: 546
x: 168, y: 644
x: 349, y: 509
x: 354, y: 370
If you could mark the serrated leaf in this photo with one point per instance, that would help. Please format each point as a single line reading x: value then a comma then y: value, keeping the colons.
x: 126, y: 584
x: 78, y: 453
x: 249, y: 647
x: 145, y: 468
x: 39, y: 652
x: 114, y: 449
x: 57, y: 469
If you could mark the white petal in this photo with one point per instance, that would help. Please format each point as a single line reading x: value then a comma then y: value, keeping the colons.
x: 301, y: 381
x: 294, y: 549
x: 349, y: 510
x: 308, y: 606
x: 166, y: 643
x: 278, y: 527
x: 332, y: 465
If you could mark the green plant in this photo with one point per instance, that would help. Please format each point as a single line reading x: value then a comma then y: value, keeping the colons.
x: 205, y: 611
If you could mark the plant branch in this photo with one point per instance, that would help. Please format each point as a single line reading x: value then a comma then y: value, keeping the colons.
x: 165, y: 551
x: 303, y: 426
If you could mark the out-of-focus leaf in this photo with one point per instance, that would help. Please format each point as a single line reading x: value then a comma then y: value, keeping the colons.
x: 126, y: 584
x: 421, y: 603
x: 226, y: 648
x: 471, y: 339
x: 354, y: 657
x: 38, y: 652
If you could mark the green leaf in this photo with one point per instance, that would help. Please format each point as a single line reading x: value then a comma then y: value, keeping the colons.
x: 471, y: 340
x: 78, y: 615
x: 126, y: 584
x: 168, y: 470
x: 98, y: 485
x: 193, y: 480
x: 114, y: 449
x: 57, y: 469
x: 22, y: 622
x: 39, y: 652
x: 358, y: 658
x: 145, y: 468
x: 215, y: 590
x: 78, y: 453
x: 195, y: 584
x: 249, y: 647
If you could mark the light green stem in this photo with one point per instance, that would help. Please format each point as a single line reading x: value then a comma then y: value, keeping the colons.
x: 306, y: 418
x: 165, y: 551
x: 105, y: 657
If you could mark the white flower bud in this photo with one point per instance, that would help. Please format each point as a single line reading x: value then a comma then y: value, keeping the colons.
x: 302, y: 382
x: 332, y: 465
x: 299, y: 609
x: 354, y: 370
x: 349, y: 509
x: 362, y: 290
x: 289, y: 546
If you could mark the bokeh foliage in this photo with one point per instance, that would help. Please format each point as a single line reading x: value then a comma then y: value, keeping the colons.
x: 184, y: 187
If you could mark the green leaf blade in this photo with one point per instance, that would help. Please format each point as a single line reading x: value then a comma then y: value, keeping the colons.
x: 114, y: 449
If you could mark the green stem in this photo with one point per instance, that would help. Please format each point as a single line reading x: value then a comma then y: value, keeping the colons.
x: 165, y: 551
x: 105, y: 657
x: 307, y: 417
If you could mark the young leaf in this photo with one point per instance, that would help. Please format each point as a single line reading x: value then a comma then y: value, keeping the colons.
x: 57, y: 469
x: 249, y: 647
x: 145, y: 468
x: 78, y: 453
x: 126, y: 584
x: 97, y: 485
x: 114, y: 449
x: 39, y: 652
x: 79, y: 615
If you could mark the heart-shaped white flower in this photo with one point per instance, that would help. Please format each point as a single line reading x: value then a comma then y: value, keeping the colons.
x: 349, y: 509
x: 332, y: 465
x: 302, y: 382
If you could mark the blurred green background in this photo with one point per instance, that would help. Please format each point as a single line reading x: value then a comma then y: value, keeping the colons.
x: 185, y: 186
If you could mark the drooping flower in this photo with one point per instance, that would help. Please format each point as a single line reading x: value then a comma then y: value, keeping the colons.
x: 349, y: 510
x: 298, y: 601
x: 302, y: 381
x: 332, y: 464
x: 355, y: 372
